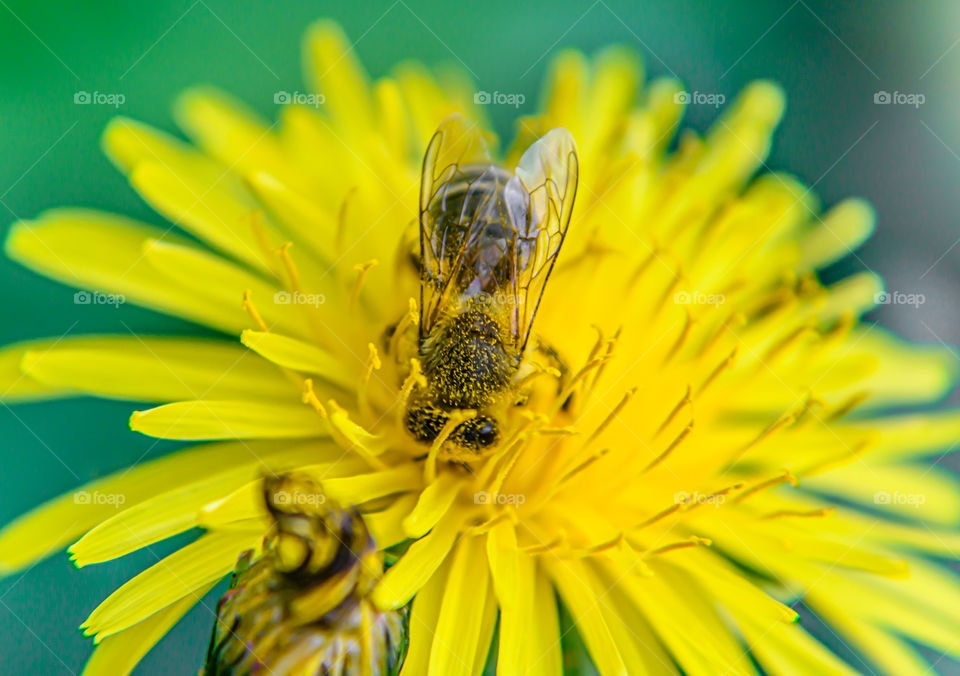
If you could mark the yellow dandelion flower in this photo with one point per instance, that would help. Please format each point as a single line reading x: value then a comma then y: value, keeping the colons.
x: 701, y: 439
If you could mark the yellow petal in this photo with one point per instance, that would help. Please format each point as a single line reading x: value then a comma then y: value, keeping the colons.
x: 423, y: 622
x: 300, y: 356
x: 434, y: 502
x: 456, y: 641
x: 354, y: 490
x: 179, y: 509
x: 213, y: 214
x: 844, y: 228
x: 15, y: 385
x: 185, y: 572
x: 104, y: 253
x: 117, y: 655
x: 221, y: 282
x: 156, y: 369
x: 53, y: 525
x: 527, y: 634
x: 226, y: 419
x: 580, y: 596
x: 415, y: 567
x: 333, y: 70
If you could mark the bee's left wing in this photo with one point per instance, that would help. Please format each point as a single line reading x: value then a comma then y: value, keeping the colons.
x: 548, y: 171
x: 456, y: 144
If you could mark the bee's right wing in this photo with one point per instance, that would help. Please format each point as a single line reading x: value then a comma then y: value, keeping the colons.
x: 455, y: 144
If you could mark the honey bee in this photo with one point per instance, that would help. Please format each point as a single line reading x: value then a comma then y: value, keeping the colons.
x: 489, y: 238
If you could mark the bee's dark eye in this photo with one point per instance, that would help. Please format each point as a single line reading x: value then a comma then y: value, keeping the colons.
x: 476, y: 433
x: 425, y: 422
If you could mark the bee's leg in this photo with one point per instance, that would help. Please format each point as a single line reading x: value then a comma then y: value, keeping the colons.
x: 566, y: 373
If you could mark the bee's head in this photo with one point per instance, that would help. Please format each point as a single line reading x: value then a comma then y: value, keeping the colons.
x: 425, y: 422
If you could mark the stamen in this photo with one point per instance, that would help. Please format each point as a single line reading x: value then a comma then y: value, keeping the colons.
x: 414, y: 378
x: 409, y: 318
x: 721, y: 367
x: 850, y: 404
x: 310, y: 397
x: 659, y: 516
x: 813, y: 513
x: 786, y: 342
x: 693, y: 541
x: 362, y: 270
x: 430, y: 466
x: 673, y: 445
x: 575, y: 382
x: 785, y: 477
x: 373, y: 364
x: 293, y: 275
x: 342, y: 219
x: 610, y: 417
x: 684, y: 335
x: 775, y: 426
x: 682, y: 404
x: 251, y: 309
x: 260, y: 236
x: 608, y: 357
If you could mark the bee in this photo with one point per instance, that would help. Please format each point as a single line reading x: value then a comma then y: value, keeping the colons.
x: 302, y: 607
x: 489, y: 238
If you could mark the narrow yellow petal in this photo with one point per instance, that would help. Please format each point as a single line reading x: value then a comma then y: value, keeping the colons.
x: 417, y: 565
x: 224, y: 419
x: 15, y: 385
x: 104, y: 253
x: 333, y: 70
x: 174, y: 511
x: 581, y: 598
x: 221, y: 282
x: 214, y: 215
x: 119, y: 654
x: 185, y: 572
x: 300, y: 356
x: 456, y: 641
x: 354, y: 490
x: 434, y: 502
x: 56, y: 523
x: 423, y: 622
x: 844, y: 228
x: 156, y: 369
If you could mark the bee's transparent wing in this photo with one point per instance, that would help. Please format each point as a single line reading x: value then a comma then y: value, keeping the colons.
x: 455, y: 144
x: 548, y: 171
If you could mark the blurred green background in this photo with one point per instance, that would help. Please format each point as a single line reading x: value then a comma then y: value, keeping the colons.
x: 831, y: 57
